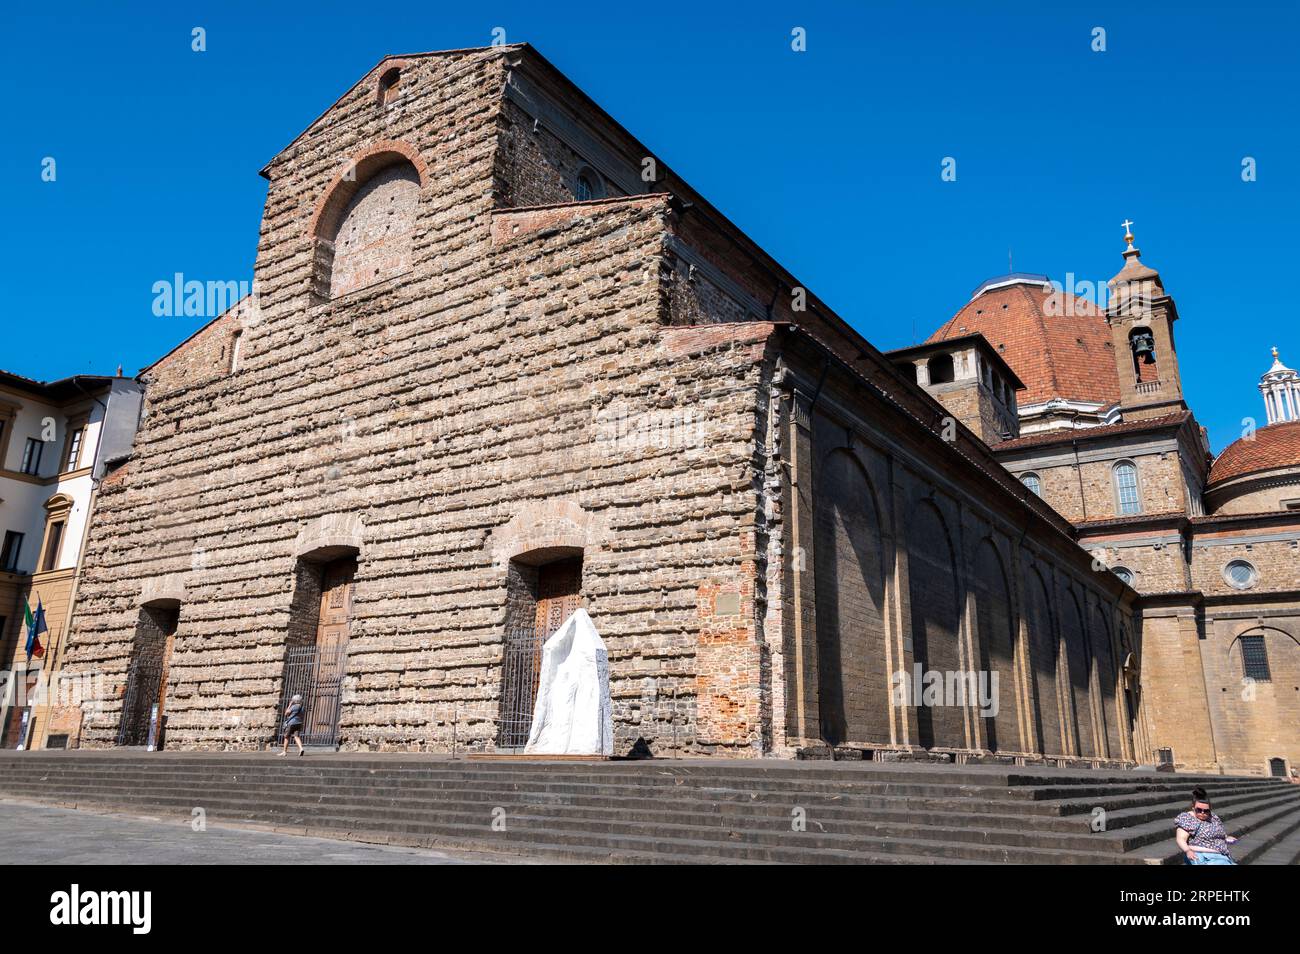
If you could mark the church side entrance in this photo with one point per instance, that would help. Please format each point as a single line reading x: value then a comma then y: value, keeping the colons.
x: 146, y: 681
x: 540, y: 598
x: 316, y: 655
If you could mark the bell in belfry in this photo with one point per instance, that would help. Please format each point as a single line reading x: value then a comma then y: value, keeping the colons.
x: 1144, y: 347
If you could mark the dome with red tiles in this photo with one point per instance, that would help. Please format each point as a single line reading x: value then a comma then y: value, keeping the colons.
x: 1276, y: 447
x: 1057, y: 343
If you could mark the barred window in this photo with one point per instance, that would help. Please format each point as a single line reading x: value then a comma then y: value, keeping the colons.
x: 1254, y: 658
x: 1124, y: 573
x: 1033, y: 483
x: 1126, y: 488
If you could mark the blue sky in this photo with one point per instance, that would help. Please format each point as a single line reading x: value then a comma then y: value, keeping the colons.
x: 829, y: 158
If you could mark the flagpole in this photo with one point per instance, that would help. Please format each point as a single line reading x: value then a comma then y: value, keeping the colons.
x: 55, y: 642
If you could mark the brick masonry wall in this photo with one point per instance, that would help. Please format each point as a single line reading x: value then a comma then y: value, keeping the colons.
x: 1087, y: 492
x: 1254, y: 720
x: 534, y: 167
x: 1277, y: 562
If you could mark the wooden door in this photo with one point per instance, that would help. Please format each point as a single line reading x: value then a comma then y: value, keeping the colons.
x: 558, y: 585
x: 168, y: 644
x: 322, y: 708
x: 335, y: 604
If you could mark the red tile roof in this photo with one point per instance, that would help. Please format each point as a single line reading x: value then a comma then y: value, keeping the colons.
x: 1058, y: 344
x: 1277, y: 445
x: 1066, y: 435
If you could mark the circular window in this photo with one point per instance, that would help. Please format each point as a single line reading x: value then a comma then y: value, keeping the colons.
x: 1125, y: 574
x: 1240, y: 574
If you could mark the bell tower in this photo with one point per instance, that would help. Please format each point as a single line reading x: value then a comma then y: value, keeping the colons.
x: 1141, y: 318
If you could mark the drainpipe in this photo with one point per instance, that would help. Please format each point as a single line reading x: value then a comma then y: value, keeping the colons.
x: 1078, y: 473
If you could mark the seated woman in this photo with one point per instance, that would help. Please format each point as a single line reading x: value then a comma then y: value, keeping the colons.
x: 1200, y: 834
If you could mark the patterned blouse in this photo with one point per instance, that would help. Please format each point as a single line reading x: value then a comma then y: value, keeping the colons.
x: 1209, y: 835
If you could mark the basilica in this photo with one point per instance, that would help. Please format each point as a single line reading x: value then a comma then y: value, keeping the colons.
x: 500, y: 362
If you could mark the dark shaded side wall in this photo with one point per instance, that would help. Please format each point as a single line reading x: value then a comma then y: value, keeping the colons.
x: 899, y: 553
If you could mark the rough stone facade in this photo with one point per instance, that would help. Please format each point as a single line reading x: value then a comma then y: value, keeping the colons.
x: 773, y: 522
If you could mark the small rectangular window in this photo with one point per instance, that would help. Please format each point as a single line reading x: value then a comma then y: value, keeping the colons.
x: 1254, y: 658
x: 32, y: 456
x: 9, y: 553
x: 53, y: 541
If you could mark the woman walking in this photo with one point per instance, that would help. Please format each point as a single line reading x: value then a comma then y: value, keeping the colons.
x: 293, y: 725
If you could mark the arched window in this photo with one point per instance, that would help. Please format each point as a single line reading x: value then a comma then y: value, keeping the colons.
x: 236, y: 349
x: 390, y: 86
x: 908, y: 369
x: 1128, y: 500
x: 1031, y: 481
x: 588, y: 185
x: 1142, y: 343
x: 941, y: 369
x: 366, y: 228
x: 57, y: 509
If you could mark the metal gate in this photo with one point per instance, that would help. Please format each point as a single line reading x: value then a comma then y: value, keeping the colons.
x: 521, y: 669
x: 143, y: 687
x: 316, y: 674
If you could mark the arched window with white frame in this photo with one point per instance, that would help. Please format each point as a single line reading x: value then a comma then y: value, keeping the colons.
x: 1128, y: 498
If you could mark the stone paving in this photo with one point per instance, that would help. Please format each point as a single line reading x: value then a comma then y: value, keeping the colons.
x: 38, y: 834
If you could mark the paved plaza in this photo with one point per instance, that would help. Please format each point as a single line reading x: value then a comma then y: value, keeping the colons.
x: 37, y: 834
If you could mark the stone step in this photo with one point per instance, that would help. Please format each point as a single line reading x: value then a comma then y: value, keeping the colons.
x: 671, y: 812
x: 311, y: 786
x: 662, y: 772
x: 219, y: 803
x: 523, y: 831
x: 157, y: 774
x: 835, y: 812
x: 1283, y: 850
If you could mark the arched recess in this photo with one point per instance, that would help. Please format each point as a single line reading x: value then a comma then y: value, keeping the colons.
x: 363, y: 227
x: 853, y: 686
x: 1043, y: 663
x: 1078, y: 659
x: 1107, y: 681
x: 1258, y: 707
x: 996, y: 621
x: 1281, y: 655
x: 936, y: 620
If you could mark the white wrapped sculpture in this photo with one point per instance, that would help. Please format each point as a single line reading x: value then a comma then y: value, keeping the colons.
x: 573, y: 715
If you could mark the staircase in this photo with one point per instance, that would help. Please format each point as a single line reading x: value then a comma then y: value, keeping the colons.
x: 766, y: 811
